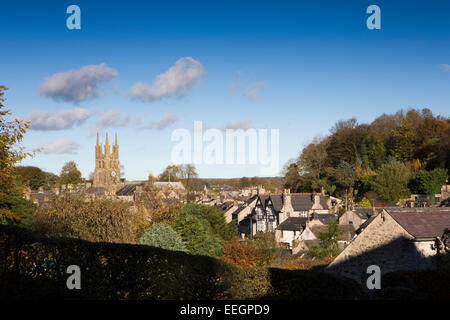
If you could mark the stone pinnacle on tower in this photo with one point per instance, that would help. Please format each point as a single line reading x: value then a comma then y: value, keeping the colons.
x: 106, y: 145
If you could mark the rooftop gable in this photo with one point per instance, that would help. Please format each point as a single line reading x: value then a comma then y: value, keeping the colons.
x: 424, y: 223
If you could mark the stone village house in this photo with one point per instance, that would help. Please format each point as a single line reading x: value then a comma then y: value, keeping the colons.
x: 285, y: 214
x: 395, y: 239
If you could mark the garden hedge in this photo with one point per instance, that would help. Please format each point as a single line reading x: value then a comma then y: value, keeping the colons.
x: 32, y: 267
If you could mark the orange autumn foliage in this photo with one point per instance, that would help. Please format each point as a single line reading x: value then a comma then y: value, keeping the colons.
x: 240, y: 253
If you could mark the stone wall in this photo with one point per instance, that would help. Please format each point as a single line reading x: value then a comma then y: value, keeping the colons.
x: 383, y: 243
x: 352, y: 217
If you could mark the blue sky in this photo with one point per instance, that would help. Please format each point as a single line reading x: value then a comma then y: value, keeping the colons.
x: 301, y: 66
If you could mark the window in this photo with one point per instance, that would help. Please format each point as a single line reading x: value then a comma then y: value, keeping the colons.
x: 260, y: 226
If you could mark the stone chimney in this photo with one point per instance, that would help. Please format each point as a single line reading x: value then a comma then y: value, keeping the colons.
x: 316, y: 205
x: 375, y: 211
x: 287, y: 209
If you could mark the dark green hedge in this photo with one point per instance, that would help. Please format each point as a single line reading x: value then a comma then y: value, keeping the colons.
x: 108, y: 271
x: 34, y: 268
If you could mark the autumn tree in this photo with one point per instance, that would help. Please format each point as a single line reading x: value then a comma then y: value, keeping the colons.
x: 13, y: 207
x: 70, y: 173
x: 345, y: 142
x: 154, y: 207
x: 100, y: 219
x: 344, y: 174
x: 392, y: 179
x: 313, y: 162
x: 403, y: 142
x: 35, y: 177
x: 291, y: 176
x: 240, y: 253
x: 429, y: 182
x: 171, y: 173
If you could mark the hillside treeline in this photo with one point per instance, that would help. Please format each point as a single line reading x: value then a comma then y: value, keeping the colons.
x: 387, y: 159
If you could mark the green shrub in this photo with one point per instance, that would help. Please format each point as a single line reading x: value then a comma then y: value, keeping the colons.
x: 163, y: 236
x: 328, y: 246
x: 365, y: 203
x: 203, y: 229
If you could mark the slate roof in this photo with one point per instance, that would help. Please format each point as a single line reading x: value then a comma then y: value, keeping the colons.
x: 98, y: 191
x: 423, y: 224
x: 263, y: 198
x: 364, y: 225
x: 363, y: 213
x: 277, y: 202
x: 225, y: 206
x: 305, y: 201
x: 42, y: 198
x: 244, y: 205
x: 325, y: 218
x: 299, y: 201
x: 293, y: 224
x: 127, y: 190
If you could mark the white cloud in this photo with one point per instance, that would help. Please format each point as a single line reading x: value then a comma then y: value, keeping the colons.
x: 167, y: 120
x: 63, y: 119
x: 113, y: 118
x: 445, y: 67
x: 60, y: 146
x: 178, y: 80
x: 252, y: 91
x: 77, y: 85
x: 243, y: 124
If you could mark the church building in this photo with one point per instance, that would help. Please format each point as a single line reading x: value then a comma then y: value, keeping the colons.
x: 107, y: 171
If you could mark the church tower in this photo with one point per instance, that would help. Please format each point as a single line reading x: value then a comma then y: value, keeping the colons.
x: 107, y: 171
